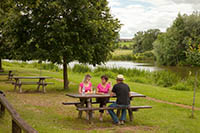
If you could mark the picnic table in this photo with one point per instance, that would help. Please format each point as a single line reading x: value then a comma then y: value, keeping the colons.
x: 41, y: 82
x: 87, y: 97
x: 9, y: 73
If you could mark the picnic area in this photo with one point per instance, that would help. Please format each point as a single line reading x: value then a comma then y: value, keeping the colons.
x: 92, y: 66
x: 46, y: 112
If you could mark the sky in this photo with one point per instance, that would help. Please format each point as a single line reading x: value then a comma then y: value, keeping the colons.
x: 141, y: 15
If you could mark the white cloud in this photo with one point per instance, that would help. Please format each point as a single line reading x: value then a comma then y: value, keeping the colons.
x: 139, y: 15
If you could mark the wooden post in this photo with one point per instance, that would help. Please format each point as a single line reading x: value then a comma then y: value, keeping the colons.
x: 195, y: 86
x: 15, y: 128
x: 2, y: 108
x: 89, y: 105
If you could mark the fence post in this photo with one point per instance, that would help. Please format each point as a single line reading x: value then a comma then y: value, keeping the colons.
x: 195, y: 86
x: 2, y: 108
x: 15, y: 128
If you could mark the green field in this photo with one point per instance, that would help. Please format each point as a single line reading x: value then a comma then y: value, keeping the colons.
x: 45, y: 113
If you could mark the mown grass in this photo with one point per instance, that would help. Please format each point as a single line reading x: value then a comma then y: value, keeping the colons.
x: 46, y: 113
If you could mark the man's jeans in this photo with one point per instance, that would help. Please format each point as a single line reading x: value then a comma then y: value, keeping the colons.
x: 114, y: 116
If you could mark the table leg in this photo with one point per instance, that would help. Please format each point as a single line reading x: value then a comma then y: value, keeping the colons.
x: 81, y: 105
x: 20, y: 87
x: 43, y: 86
x: 118, y: 112
x: 15, y: 87
x: 39, y: 83
x: 89, y: 105
x: 130, y: 112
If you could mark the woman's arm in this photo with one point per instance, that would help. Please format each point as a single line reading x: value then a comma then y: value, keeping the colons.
x: 80, y: 90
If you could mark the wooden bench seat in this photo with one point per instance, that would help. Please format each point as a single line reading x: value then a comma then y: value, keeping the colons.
x: 77, y: 103
x: 133, y: 108
x: 130, y: 109
x: 32, y: 83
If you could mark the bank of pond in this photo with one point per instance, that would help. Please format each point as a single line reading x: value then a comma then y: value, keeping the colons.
x: 161, y: 78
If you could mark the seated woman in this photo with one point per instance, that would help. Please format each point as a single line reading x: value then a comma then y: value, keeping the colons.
x: 86, y: 85
x: 103, y: 88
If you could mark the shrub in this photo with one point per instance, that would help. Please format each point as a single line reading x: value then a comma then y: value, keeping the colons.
x: 180, y: 86
x: 81, y: 68
x: 107, y: 73
x: 165, y: 79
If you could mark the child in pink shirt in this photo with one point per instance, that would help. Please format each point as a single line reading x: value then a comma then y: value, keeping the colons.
x: 103, y: 88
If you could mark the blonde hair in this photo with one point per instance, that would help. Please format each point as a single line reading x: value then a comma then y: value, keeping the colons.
x: 86, y: 77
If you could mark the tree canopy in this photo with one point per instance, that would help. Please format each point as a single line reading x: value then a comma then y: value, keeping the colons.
x: 61, y: 31
x: 181, y: 42
x: 143, y: 40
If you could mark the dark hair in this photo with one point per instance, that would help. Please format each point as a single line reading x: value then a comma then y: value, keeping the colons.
x: 104, y: 77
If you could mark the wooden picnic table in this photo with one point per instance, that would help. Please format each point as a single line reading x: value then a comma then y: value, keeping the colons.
x: 41, y: 82
x: 9, y: 74
x: 89, y: 103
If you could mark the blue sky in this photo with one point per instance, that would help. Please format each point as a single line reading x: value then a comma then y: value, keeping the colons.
x: 140, y: 15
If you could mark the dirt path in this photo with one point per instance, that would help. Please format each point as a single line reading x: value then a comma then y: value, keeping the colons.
x: 176, y: 104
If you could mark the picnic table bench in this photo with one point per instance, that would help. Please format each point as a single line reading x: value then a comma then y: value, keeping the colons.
x: 80, y: 105
x: 18, y: 83
x: 10, y: 74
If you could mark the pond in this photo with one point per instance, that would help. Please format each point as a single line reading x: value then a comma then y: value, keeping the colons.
x: 148, y: 66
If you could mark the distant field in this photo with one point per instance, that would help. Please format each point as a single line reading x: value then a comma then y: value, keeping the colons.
x: 125, y: 43
x: 119, y: 52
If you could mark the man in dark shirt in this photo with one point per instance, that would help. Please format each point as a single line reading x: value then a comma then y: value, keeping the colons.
x: 122, y: 92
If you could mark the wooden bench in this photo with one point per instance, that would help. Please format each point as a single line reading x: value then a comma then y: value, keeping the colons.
x: 130, y: 109
x: 19, y: 84
x: 78, y: 103
x: 10, y: 75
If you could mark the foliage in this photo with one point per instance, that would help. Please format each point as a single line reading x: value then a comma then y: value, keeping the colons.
x: 61, y: 31
x: 81, y: 68
x: 143, y: 41
x: 180, y: 44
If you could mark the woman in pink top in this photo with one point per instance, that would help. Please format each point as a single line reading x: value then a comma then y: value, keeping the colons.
x: 103, y: 88
x: 86, y: 85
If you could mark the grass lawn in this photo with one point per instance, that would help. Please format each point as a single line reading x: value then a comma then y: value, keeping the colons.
x: 46, y: 114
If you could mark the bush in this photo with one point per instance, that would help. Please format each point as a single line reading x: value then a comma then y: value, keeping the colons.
x: 165, y: 79
x: 81, y: 68
x: 107, y: 73
x: 180, y: 86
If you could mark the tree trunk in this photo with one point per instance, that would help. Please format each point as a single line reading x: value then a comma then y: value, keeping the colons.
x: 1, y: 68
x: 65, y: 74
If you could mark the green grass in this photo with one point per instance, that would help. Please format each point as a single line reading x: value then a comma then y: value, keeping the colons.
x: 119, y: 52
x: 46, y: 113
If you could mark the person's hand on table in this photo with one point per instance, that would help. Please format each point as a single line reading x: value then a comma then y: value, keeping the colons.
x: 100, y: 93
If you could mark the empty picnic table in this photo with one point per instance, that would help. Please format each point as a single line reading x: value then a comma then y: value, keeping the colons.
x: 80, y: 105
x: 18, y: 83
x: 9, y: 74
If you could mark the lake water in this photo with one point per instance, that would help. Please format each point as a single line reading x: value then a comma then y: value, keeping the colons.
x: 181, y: 71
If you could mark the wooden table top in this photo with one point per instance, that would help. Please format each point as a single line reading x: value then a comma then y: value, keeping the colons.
x: 92, y: 95
x: 32, y: 77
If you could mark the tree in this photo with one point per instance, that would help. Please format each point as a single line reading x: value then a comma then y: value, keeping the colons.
x: 143, y: 41
x: 61, y: 31
x: 5, y: 51
x: 180, y: 43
